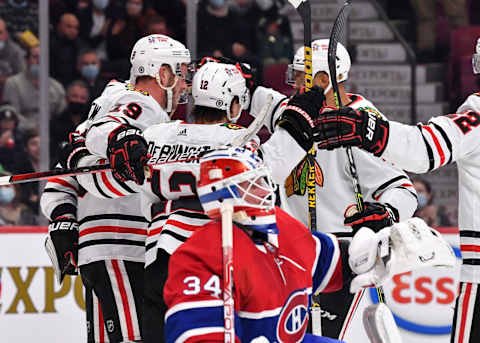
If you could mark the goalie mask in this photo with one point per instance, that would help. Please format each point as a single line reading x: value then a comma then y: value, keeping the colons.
x: 216, y: 85
x: 238, y: 176
x: 151, y: 52
x: 320, y: 62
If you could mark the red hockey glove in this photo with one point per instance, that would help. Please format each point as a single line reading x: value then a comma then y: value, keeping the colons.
x: 375, y: 216
x: 62, y: 246
x: 127, y: 152
x: 299, y: 116
x: 73, y: 151
x: 349, y: 127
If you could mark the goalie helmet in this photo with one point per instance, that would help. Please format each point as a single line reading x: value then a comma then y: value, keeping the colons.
x: 151, y: 52
x: 320, y: 62
x: 239, y: 177
x: 216, y: 85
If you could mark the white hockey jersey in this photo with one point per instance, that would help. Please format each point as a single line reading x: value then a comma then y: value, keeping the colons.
x: 379, y: 182
x: 109, y: 228
x: 168, y: 196
x: 447, y: 139
x: 120, y: 103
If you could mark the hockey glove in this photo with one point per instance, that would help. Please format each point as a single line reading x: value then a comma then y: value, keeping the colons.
x: 299, y: 116
x: 61, y: 245
x: 349, y: 127
x: 73, y: 151
x: 375, y: 216
x: 127, y: 152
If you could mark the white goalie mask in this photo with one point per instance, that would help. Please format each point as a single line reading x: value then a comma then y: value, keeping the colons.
x: 320, y: 62
x: 151, y: 52
x: 476, y: 58
x: 215, y: 85
x: 238, y: 176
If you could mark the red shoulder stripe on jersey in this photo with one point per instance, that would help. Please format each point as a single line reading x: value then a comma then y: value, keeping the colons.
x: 110, y: 186
x: 63, y: 183
x: 155, y: 231
x: 107, y: 228
x: 437, y: 144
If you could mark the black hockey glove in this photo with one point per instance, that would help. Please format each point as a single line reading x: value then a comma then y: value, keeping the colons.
x: 300, y: 114
x: 375, y: 216
x: 62, y: 246
x: 127, y: 152
x: 72, y: 151
x: 349, y: 127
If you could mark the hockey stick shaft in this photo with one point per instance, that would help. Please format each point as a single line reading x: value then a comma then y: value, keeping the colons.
x: 304, y: 10
x: 227, y: 252
x: 252, y: 129
x: 338, y: 31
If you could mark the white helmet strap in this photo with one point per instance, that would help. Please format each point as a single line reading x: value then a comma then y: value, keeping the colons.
x: 169, y: 91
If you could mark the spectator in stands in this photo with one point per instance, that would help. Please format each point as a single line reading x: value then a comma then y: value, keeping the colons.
x: 89, y: 67
x: 22, y: 92
x: 95, y: 20
x: 64, y: 47
x: 76, y: 112
x: 156, y: 24
x: 12, y: 210
x: 12, y: 59
x: 426, y: 209
x: 426, y: 14
x: 215, y: 28
x: 29, y: 163
x: 124, y: 31
x: 20, y: 16
x: 174, y: 11
x: 9, y: 136
x: 275, y: 46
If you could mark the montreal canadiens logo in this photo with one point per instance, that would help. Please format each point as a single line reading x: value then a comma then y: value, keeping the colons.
x: 293, y: 320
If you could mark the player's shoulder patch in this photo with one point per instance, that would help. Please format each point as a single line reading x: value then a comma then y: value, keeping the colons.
x: 477, y: 93
x: 130, y: 87
x: 232, y: 126
x: 370, y: 110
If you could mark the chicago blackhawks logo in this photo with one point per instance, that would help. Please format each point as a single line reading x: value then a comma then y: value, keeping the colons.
x: 232, y: 126
x: 293, y: 320
x: 307, y: 172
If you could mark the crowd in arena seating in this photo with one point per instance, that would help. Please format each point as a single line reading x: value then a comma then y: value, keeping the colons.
x: 90, y: 42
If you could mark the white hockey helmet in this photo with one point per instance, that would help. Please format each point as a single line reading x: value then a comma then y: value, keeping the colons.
x: 238, y: 176
x: 215, y: 85
x: 151, y: 52
x: 320, y: 62
x: 476, y: 58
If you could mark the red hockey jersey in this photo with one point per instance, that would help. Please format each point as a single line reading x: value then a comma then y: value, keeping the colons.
x: 272, y: 283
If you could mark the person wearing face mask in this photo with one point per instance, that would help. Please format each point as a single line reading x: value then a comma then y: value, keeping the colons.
x: 12, y: 211
x: 12, y: 59
x: 22, y: 92
x: 425, y: 209
x: 89, y: 66
x: 78, y: 105
x: 125, y: 31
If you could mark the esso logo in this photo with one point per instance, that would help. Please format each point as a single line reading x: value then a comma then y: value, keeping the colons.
x: 422, y: 300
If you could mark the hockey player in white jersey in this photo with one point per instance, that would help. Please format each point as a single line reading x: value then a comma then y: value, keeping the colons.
x: 388, y: 193
x: 169, y: 199
x: 112, y: 232
x: 421, y: 149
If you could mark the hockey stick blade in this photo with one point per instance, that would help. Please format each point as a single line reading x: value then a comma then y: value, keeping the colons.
x: 380, y: 324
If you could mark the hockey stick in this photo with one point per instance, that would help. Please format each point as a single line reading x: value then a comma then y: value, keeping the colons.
x: 251, y: 130
x: 380, y: 324
x: 337, y: 32
x: 227, y: 252
x: 304, y: 10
